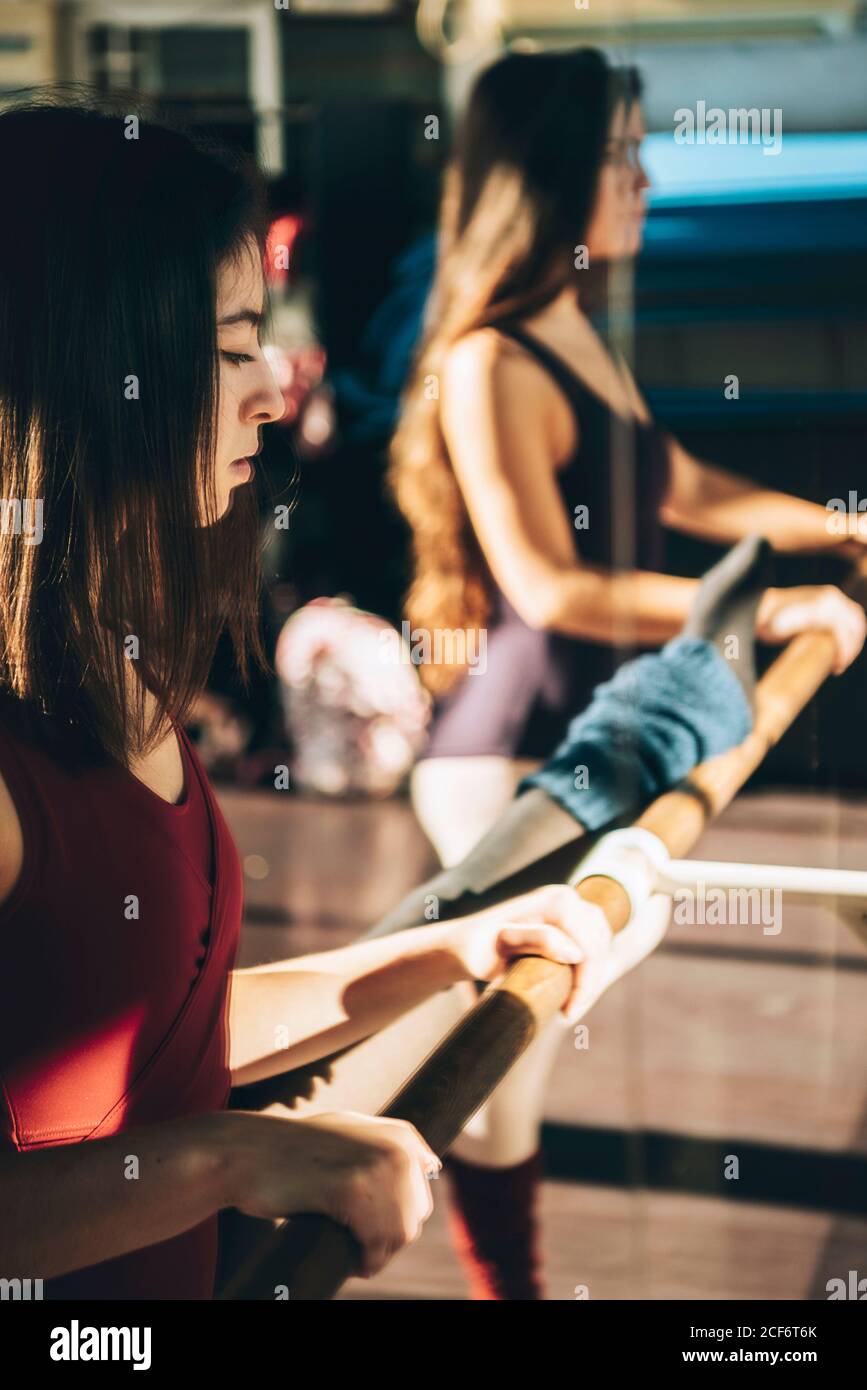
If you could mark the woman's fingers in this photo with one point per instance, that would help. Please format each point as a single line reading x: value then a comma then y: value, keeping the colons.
x: 390, y: 1203
x: 561, y: 906
x: 575, y: 932
x: 628, y: 947
x: 524, y: 939
x: 853, y: 629
x: 549, y: 942
x: 585, y: 922
x: 819, y: 607
x: 572, y: 931
x: 845, y: 620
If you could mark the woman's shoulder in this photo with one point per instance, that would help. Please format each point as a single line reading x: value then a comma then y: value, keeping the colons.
x: 487, y: 352
x: 493, y: 382
x: 11, y: 842
x: 15, y: 736
x: 488, y: 366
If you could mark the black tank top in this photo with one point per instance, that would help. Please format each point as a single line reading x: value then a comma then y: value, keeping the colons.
x: 519, y: 702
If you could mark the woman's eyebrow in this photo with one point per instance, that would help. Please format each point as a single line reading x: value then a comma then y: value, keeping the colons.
x: 242, y: 316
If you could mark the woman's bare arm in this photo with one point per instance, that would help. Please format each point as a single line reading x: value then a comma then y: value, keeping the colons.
x: 721, y: 506
x: 497, y: 423
x: 70, y: 1206
x: 66, y: 1207
x: 285, y: 1015
x: 11, y: 843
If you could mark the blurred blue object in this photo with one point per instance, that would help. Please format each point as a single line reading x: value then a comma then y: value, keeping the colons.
x: 732, y: 199
x: 368, y: 396
x: 816, y: 166
x: 644, y: 730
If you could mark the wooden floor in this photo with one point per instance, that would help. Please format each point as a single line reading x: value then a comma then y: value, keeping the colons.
x: 727, y: 1041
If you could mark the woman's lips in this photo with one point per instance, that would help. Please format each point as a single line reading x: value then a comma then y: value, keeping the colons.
x: 242, y: 466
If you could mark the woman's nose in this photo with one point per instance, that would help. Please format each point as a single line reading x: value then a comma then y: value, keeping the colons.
x: 641, y: 180
x: 267, y: 404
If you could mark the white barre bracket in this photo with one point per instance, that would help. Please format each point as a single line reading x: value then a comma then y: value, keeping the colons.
x: 639, y: 862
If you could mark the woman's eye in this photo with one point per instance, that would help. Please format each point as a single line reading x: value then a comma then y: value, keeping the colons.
x: 237, y: 358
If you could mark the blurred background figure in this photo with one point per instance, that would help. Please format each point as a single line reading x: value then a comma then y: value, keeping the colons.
x: 354, y: 706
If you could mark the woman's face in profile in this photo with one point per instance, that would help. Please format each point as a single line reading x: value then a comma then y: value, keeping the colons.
x: 617, y: 221
x: 249, y: 395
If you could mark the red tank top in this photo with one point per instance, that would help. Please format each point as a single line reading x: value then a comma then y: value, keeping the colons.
x: 116, y: 946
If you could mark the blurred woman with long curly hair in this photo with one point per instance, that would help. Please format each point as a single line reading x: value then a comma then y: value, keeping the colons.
x: 537, y: 484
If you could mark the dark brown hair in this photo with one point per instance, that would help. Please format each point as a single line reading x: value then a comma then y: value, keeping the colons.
x: 109, y: 393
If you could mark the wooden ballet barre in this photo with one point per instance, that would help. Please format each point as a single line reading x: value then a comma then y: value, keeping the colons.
x: 310, y: 1255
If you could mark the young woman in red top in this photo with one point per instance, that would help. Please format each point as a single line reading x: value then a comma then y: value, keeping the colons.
x: 133, y: 389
